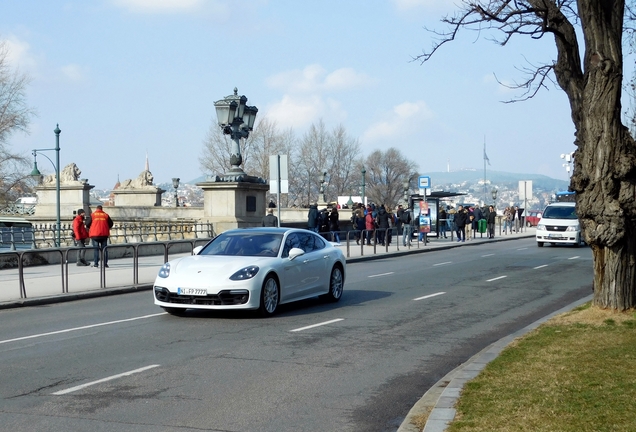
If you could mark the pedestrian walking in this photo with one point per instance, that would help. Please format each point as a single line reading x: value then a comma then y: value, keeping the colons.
x: 80, y: 235
x: 359, y: 224
x: 442, y: 219
x: 383, y: 225
x: 460, y: 222
x: 491, y: 217
x: 406, y: 226
x: 99, y: 232
x: 269, y: 220
x: 334, y: 224
x: 313, y: 224
x: 369, y: 225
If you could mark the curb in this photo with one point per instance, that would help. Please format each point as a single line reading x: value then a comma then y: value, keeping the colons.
x: 440, y: 399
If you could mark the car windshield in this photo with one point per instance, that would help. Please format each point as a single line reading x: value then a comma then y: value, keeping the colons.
x: 559, y: 212
x: 246, y: 243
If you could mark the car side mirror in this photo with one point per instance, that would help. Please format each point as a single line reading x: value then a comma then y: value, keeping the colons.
x: 295, y: 252
x: 196, y: 250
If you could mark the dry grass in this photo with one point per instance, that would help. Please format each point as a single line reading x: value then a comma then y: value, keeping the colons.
x: 577, y: 372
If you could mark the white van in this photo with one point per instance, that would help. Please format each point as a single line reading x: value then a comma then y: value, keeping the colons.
x: 559, y: 224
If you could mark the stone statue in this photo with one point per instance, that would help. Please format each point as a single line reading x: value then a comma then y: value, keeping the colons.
x: 143, y: 181
x: 70, y: 174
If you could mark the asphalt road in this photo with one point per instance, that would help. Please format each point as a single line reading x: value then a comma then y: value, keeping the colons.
x: 120, y: 364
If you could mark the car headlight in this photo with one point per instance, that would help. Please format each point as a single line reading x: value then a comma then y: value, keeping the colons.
x: 572, y: 228
x: 164, y: 271
x: 541, y: 227
x: 245, y: 273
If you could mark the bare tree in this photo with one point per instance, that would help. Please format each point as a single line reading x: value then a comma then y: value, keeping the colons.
x: 15, y: 116
x: 385, y: 175
x: 343, y: 151
x: 590, y: 72
x: 217, y: 149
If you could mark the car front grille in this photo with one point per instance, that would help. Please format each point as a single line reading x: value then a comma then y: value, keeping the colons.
x: 223, y: 298
x: 555, y: 228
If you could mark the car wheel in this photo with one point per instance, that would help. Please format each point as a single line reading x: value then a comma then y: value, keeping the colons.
x: 270, y: 295
x: 540, y: 244
x: 336, y: 284
x: 528, y: 224
x: 175, y: 311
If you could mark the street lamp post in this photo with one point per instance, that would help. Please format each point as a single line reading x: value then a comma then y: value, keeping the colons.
x: 406, y: 186
x: 237, y: 120
x: 175, y: 185
x: 364, y: 175
x: 56, y: 166
x: 322, y: 178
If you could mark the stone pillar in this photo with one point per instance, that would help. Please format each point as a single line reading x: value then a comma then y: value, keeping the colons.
x: 73, y: 195
x: 138, y: 197
x: 229, y: 205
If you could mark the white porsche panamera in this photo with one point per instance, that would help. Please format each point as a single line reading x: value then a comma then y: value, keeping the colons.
x: 253, y: 268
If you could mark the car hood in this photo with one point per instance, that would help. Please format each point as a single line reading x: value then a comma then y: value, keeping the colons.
x: 216, y: 265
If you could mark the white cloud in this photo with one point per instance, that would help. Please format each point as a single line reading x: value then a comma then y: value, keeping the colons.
x: 73, y: 72
x: 19, y: 54
x: 315, y: 78
x: 428, y: 5
x: 403, y: 118
x: 300, y: 112
x: 158, y: 6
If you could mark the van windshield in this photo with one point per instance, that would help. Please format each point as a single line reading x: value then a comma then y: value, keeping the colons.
x: 559, y: 212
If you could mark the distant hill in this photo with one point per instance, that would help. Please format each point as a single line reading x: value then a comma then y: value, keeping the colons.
x: 442, y: 180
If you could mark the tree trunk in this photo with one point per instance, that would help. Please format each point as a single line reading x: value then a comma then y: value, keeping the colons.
x: 604, y: 164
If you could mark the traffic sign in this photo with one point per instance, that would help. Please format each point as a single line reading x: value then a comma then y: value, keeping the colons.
x: 424, y: 182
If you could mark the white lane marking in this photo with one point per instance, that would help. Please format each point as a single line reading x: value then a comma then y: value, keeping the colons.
x: 497, y: 278
x: 429, y: 296
x: 487, y: 255
x: 541, y: 266
x: 381, y: 274
x: 110, y: 378
x: 317, y: 325
x: 81, y: 328
x: 444, y: 263
x: 522, y: 248
x: 574, y: 257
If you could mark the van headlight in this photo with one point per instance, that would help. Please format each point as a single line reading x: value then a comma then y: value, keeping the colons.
x: 573, y: 228
x: 541, y: 227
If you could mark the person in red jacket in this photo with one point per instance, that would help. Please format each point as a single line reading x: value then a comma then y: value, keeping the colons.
x: 80, y: 234
x: 99, y: 231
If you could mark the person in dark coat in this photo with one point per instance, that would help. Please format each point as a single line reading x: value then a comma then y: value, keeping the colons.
x: 334, y: 225
x: 383, y: 223
x: 492, y: 215
x: 461, y: 218
x: 313, y: 223
x: 270, y: 220
x: 441, y: 217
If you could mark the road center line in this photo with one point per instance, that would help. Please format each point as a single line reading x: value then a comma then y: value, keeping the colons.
x: 541, y: 266
x: 444, y: 263
x: 522, y: 248
x: 497, y: 278
x: 110, y: 378
x: 574, y: 257
x: 80, y: 328
x: 381, y: 274
x: 487, y: 255
x: 317, y: 325
x: 429, y: 296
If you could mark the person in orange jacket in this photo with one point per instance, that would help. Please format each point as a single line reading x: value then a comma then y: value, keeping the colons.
x: 99, y: 231
x: 80, y: 234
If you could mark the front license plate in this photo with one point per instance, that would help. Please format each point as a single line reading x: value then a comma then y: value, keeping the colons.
x: 555, y: 236
x: 192, y: 291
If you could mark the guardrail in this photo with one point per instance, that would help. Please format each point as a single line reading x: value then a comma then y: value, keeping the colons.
x: 69, y: 255
x: 42, y: 236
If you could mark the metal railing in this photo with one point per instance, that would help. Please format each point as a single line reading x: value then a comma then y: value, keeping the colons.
x: 42, y: 236
x: 70, y: 255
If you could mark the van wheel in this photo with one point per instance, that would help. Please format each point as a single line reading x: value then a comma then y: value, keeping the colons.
x: 540, y: 244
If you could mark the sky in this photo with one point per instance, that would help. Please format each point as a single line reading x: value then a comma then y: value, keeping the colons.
x: 126, y: 78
